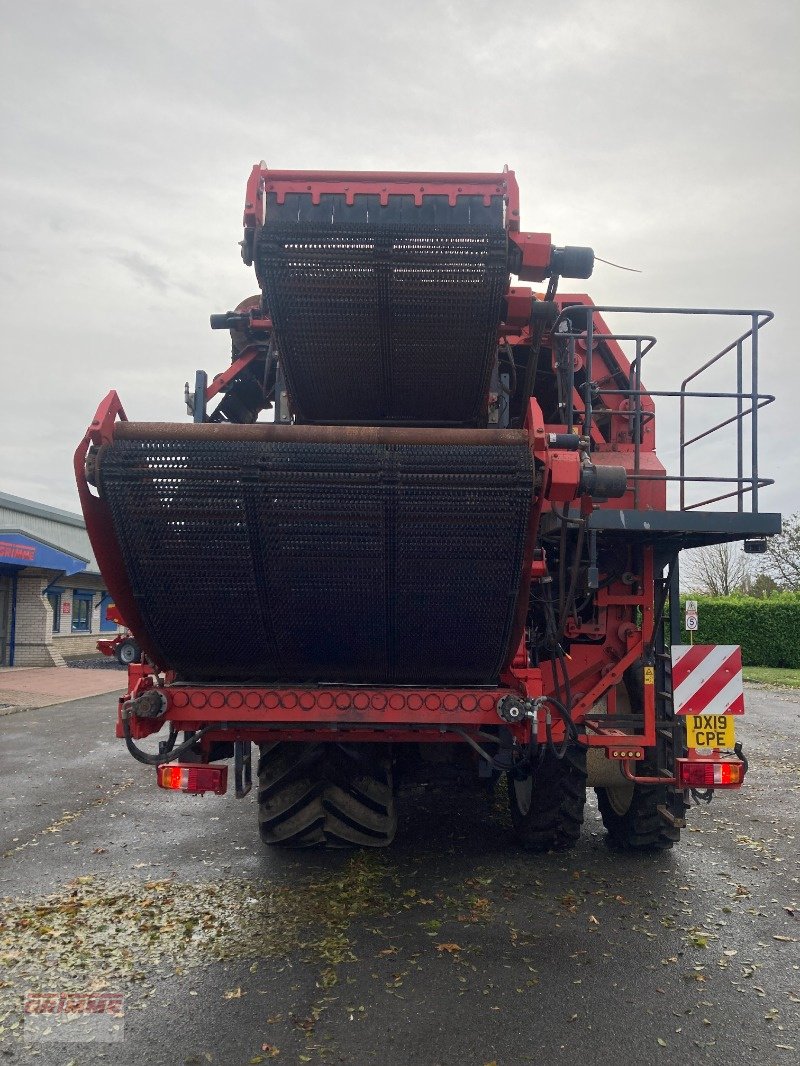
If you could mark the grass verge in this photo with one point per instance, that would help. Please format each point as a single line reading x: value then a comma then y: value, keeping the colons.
x: 773, y: 675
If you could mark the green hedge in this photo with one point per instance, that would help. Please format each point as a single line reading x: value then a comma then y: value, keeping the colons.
x: 767, y: 629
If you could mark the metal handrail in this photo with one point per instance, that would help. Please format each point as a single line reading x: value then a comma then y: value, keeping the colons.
x: 758, y: 319
x: 644, y: 343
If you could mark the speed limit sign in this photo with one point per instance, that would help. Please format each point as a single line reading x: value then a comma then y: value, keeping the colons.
x: 691, y: 623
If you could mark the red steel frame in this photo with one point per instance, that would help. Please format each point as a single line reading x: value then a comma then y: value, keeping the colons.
x: 382, y: 183
x: 536, y: 249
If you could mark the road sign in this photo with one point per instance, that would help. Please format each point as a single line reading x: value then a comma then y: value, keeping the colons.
x: 691, y: 625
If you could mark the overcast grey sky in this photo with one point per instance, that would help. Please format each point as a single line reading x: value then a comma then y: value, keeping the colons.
x: 664, y: 134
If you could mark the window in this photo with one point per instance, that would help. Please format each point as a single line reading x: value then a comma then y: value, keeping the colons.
x: 82, y: 611
x: 54, y: 596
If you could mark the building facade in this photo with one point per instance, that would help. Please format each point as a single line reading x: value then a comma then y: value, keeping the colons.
x: 52, y: 598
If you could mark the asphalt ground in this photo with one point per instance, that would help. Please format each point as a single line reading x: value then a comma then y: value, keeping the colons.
x: 97, y: 662
x: 451, y: 947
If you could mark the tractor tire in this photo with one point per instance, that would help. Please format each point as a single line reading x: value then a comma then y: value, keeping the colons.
x: 326, y: 795
x: 127, y: 652
x: 632, y: 820
x: 547, y: 804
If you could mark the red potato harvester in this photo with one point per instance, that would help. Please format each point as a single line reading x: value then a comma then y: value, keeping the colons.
x: 448, y: 553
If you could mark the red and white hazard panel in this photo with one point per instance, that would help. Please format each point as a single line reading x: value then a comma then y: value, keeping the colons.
x: 707, y: 679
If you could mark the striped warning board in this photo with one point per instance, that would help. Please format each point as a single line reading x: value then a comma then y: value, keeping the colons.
x: 707, y: 679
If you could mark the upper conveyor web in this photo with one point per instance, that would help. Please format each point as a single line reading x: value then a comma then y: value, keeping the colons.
x: 385, y: 313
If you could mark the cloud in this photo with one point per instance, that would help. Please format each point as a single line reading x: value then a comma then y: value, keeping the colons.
x: 148, y: 272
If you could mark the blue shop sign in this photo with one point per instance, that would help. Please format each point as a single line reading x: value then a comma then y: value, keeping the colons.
x: 17, y: 549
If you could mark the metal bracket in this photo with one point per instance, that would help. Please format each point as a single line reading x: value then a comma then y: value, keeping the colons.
x: 243, y: 767
x: 669, y: 817
x: 282, y: 412
x: 199, y: 403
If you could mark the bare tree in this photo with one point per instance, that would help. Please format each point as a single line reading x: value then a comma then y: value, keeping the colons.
x: 759, y: 585
x: 716, y: 570
x: 782, y: 559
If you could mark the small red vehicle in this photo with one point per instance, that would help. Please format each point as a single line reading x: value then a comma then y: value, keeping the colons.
x: 123, y: 646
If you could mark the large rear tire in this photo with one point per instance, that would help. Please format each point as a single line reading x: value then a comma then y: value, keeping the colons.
x: 326, y: 795
x: 632, y: 819
x: 547, y: 804
x: 630, y: 812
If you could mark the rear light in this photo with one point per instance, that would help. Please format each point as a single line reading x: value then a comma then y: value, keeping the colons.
x: 193, y: 778
x: 705, y: 773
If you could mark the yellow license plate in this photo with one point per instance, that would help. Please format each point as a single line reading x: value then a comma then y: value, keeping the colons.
x: 710, y: 731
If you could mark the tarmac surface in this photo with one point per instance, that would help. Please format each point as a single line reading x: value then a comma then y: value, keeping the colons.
x: 451, y: 947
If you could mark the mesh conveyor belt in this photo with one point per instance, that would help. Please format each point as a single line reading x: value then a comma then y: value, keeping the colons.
x: 277, y: 561
x: 393, y: 319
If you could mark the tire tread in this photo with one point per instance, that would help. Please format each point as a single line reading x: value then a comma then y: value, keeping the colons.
x: 642, y: 827
x: 559, y: 794
x: 325, y: 795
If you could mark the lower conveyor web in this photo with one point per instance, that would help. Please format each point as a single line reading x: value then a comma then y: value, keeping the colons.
x: 350, y: 561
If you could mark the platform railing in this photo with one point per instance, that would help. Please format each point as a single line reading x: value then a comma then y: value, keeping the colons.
x: 745, y: 347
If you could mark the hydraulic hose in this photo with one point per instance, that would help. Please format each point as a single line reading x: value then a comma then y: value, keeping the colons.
x: 570, y: 729
x: 569, y: 599
x: 156, y: 760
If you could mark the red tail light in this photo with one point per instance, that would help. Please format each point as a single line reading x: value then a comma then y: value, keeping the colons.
x: 706, y: 773
x: 192, y: 778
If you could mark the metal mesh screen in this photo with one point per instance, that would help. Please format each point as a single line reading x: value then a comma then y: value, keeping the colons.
x: 391, y: 319
x: 323, y: 562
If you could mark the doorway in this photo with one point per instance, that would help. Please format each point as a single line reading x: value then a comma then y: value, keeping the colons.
x: 5, y: 618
